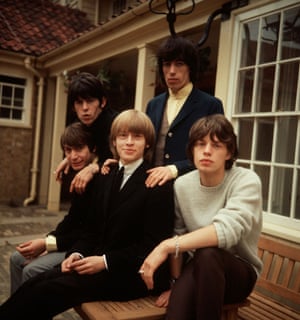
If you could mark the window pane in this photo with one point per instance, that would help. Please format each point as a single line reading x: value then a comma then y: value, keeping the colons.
x: 288, y: 86
x: 6, y: 95
x: 12, y: 80
x: 19, y: 97
x: 249, y: 43
x: 297, y: 212
x: 265, y: 127
x: 264, y: 174
x: 281, y: 191
x: 4, y: 113
x: 245, y: 91
x: 291, y: 34
x: 6, y: 101
x: 286, y: 140
x: 269, y: 38
x: 245, y: 138
x: 265, y: 89
x: 17, y: 114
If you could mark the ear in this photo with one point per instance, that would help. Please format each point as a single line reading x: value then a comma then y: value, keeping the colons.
x: 228, y: 156
x: 103, y: 102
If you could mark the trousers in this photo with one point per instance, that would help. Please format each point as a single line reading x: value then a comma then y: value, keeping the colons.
x: 52, y: 292
x: 21, y: 269
x: 213, y: 277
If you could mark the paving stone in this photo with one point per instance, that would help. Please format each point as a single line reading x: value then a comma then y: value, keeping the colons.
x: 18, y: 224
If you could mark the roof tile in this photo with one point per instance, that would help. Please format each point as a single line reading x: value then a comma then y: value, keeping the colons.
x: 39, y: 26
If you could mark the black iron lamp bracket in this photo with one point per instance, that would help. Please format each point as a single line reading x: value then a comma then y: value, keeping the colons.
x: 171, y: 14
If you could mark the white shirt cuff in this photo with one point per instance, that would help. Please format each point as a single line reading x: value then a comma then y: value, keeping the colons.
x: 51, y: 243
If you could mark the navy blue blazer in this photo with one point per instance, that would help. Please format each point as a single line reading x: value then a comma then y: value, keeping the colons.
x: 197, y: 105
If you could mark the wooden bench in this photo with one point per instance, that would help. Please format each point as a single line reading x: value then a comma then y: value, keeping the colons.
x: 276, y: 295
x: 143, y: 308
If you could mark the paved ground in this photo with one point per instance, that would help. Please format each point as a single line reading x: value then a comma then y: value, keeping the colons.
x: 18, y: 224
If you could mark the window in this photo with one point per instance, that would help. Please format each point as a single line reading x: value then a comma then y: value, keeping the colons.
x: 12, y: 92
x: 118, y: 7
x: 267, y: 107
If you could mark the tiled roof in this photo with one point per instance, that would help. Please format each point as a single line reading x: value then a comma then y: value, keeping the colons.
x: 36, y: 27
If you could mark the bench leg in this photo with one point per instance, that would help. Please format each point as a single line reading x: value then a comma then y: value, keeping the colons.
x: 231, y: 314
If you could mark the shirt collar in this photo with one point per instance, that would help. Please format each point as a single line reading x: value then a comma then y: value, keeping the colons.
x: 183, y: 92
x: 131, y: 167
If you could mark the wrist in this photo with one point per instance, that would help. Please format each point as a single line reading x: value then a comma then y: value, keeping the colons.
x: 177, y: 247
x: 94, y: 168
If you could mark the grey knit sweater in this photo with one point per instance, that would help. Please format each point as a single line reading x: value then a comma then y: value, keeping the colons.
x: 234, y: 207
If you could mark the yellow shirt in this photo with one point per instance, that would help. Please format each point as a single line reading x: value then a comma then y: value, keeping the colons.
x: 176, y: 101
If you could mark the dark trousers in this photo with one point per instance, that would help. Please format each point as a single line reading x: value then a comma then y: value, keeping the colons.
x: 53, y: 292
x: 212, y: 278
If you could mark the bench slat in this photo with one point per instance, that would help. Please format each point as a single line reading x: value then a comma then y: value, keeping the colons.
x: 262, y: 308
x: 288, y: 274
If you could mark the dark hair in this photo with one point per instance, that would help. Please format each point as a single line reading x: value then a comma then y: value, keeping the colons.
x: 77, y: 135
x: 177, y: 48
x: 215, y: 125
x: 84, y: 85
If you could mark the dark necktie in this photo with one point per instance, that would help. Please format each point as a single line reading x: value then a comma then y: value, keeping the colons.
x: 118, y: 178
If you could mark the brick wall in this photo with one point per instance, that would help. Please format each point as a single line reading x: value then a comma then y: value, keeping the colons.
x: 15, y: 164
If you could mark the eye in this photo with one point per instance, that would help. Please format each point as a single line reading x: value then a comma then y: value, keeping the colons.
x: 122, y: 134
x: 166, y: 63
x: 138, y: 135
x: 179, y: 63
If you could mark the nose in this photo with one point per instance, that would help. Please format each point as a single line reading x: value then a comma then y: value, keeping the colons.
x: 172, y: 68
x: 207, y: 148
x: 73, y: 154
x: 129, y: 139
x: 85, y: 105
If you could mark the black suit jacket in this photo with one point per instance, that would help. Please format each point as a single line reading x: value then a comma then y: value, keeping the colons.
x: 197, y: 105
x: 78, y: 218
x: 127, y: 232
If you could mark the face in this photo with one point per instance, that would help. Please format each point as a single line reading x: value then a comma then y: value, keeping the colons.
x: 78, y: 157
x: 210, y: 156
x: 130, y: 146
x: 176, y: 74
x: 87, y: 110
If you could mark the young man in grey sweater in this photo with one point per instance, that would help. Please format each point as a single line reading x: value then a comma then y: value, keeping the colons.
x: 218, y: 211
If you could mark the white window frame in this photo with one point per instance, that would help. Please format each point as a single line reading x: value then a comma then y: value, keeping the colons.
x: 27, y: 107
x: 274, y: 224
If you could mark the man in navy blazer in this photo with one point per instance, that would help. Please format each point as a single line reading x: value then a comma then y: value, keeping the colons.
x: 174, y: 112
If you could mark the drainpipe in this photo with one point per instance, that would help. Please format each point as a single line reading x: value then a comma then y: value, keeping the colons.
x: 34, y: 170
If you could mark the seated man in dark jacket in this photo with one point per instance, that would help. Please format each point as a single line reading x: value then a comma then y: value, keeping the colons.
x: 37, y: 255
x: 129, y: 222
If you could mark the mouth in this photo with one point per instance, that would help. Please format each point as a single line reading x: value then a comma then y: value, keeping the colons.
x: 205, y: 161
x: 129, y: 150
x: 77, y: 164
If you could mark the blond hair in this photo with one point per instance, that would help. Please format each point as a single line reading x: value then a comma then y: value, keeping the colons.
x: 133, y: 121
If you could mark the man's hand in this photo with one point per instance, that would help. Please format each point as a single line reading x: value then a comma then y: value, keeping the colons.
x: 163, y: 299
x: 158, y: 176
x: 63, y: 167
x: 83, y: 177
x: 32, y: 249
x: 87, y: 265
x: 158, y: 255
x: 107, y: 164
